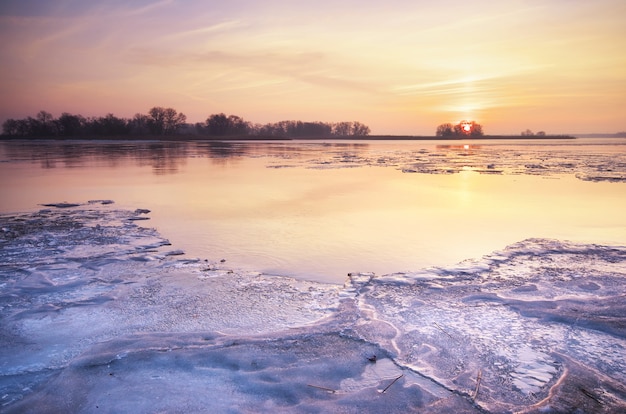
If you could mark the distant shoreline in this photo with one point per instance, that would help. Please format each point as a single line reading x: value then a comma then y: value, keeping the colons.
x: 190, y: 137
x: 435, y: 138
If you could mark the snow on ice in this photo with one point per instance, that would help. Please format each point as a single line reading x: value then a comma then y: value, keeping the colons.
x: 99, y: 314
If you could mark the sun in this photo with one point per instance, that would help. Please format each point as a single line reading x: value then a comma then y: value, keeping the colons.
x: 467, y: 126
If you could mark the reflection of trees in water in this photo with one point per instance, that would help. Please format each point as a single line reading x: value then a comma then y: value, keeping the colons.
x: 164, y: 157
x: 222, y: 151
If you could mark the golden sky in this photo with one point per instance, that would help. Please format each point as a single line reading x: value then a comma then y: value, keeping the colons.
x: 399, y: 66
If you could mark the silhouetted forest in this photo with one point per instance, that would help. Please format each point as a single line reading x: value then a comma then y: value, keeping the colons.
x: 462, y: 129
x: 168, y: 122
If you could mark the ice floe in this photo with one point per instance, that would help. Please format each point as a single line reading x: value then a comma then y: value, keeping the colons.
x: 100, y: 314
x: 592, y: 165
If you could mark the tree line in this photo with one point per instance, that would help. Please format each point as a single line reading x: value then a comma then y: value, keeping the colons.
x: 462, y: 129
x: 167, y: 121
x: 529, y: 133
x: 222, y: 125
x: 158, y: 121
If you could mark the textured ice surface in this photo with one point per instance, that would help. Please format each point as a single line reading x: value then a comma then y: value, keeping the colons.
x: 588, y: 165
x: 99, y: 314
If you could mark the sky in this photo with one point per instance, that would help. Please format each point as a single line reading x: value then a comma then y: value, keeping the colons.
x: 399, y: 66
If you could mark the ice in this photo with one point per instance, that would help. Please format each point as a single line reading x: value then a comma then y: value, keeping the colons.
x: 99, y: 314
x: 535, y: 370
x: 482, y: 157
x: 373, y: 375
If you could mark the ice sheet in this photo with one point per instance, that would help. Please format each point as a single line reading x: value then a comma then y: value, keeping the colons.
x: 592, y: 165
x: 101, y: 314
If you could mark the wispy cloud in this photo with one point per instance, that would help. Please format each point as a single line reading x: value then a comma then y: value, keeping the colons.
x: 39, y: 33
x: 210, y: 29
x: 315, y: 68
x: 440, y: 87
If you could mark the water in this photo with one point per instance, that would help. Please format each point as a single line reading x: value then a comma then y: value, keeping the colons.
x: 319, y: 210
x: 101, y: 313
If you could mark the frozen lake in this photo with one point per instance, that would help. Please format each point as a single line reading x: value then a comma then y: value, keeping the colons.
x: 483, y: 277
x: 318, y: 210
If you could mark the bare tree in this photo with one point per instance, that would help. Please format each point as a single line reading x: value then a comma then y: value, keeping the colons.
x: 342, y: 128
x: 165, y: 121
x: 476, y: 130
x: 445, y: 130
x: 217, y: 124
x: 11, y: 127
x: 110, y: 125
x: 44, y: 124
x: 237, y: 126
x: 71, y: 125
x: 173, y: 121
x: 359, y: 129
x: 139, y: 124
x: 462, y: 129
x: 220, y: 125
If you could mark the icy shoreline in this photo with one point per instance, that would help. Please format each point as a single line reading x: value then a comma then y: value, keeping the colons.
x: 100, y: 314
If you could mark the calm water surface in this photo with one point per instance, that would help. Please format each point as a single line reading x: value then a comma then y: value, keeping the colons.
x: 318, y: 210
